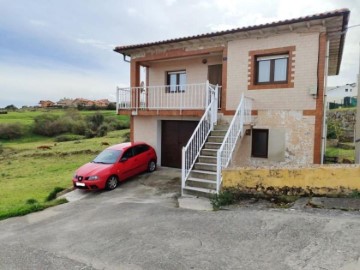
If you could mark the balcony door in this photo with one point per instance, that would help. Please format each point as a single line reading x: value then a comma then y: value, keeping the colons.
x: 215, y: 77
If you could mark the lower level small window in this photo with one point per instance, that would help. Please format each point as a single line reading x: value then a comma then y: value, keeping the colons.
x: 259, y: 145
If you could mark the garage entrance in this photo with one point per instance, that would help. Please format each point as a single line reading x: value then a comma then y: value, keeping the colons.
x: 174, y: 135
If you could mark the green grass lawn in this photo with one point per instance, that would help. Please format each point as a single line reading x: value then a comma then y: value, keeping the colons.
x: 340, y: 153
x: 26, y: 117
x: 29, y: 173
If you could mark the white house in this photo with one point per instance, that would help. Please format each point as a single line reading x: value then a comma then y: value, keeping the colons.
x: 338, y: 93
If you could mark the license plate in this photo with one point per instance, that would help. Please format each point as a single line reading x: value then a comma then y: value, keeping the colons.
x: 80, y: 184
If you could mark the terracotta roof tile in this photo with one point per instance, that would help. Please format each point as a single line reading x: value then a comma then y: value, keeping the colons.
x: 338, y: 12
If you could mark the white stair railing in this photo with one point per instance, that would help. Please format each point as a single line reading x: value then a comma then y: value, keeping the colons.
x: 242, y: 116
x: 191, y: 151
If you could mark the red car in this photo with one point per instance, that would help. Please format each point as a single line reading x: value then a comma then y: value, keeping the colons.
x: 115, y: 164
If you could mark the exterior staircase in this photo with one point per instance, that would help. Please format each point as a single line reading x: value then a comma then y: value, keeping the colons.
x: 202, y: 178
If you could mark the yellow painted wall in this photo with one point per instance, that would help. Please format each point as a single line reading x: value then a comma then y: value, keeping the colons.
x: 321, y: 180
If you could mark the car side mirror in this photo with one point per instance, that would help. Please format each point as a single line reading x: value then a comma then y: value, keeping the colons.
x: 123, y: 159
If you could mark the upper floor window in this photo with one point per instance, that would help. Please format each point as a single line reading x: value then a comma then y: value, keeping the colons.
x: 176, y: 81
x: 272, y: 69
x: 346, y: 90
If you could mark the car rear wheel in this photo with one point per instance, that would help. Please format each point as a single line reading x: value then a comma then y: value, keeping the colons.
x: 152, y: 166
x: 112, y: 182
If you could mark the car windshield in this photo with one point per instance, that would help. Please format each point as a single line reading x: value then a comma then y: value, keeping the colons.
x: 107, y: 156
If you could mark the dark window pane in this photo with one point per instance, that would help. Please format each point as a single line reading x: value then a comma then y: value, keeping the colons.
x: 259, y: 147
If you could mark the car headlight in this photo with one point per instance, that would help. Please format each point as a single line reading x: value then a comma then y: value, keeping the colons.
x: 93, y: 177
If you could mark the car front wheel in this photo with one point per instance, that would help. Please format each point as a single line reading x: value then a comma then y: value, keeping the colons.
x: 112, y: 182
x: 152, y: 166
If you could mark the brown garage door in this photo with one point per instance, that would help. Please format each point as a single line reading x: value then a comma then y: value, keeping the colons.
x: 174, y: 135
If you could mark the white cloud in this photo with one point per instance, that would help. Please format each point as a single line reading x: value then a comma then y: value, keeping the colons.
x: 28, y: 85
x: 95, y: 43
x: 221, y: 26
x: 38, y: 23
x: 131, y: 11
x: 170, y: 2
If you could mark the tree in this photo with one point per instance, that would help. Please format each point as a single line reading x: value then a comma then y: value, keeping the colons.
x: 11, y: 107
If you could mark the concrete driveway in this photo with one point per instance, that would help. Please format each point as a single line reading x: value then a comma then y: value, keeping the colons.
x: 139, y: 226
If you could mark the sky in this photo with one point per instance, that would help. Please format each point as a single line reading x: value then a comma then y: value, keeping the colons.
x: 51, y: 49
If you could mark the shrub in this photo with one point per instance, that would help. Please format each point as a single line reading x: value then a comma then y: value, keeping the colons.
x: 31, y: 201
x: 222, y: 199
x: 334, y: 129
x: 127, y: 137
x: 68, y: 137
x: 102, y: 131
x: 116, y: 124
x: 43, y: 124
x: 53, y: 193
x: 89, y: 133
x: 11, y: 131
x: 111, y: 106
x: 73, y: 114
x: 95, y: 121
x: 52, y: 125
x: 78, y: 127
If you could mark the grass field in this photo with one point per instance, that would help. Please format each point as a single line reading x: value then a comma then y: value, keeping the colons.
x: 27, y: 117
x: 340, y: 153
x: 28, y: 173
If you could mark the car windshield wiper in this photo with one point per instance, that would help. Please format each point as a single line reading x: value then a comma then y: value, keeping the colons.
x: 100, y: 162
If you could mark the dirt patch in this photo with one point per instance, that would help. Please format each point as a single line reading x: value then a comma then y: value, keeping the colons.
x: 162, y: 184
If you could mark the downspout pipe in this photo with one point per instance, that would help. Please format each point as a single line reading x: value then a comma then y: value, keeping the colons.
x: 324, y: 131
x: 124, y: 58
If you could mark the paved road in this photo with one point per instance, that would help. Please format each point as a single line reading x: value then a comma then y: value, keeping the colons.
x: 138, y: 226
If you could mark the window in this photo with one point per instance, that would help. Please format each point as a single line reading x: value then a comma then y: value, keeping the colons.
x: 140, y: 149
x: 129, y: 153
x: 259, y: 145
x: 346, y: 90
x: 176, y: 81
x: 272, y: 69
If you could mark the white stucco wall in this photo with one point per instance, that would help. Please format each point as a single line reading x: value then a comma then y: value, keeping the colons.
x: 148, y: 129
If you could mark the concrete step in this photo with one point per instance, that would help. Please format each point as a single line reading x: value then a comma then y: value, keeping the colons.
x: 218, y: 139
x: 218, y: 133
x: 212, y: 145
x: 207, y: 159
x: 202, y: 190
x: 207, y: 175
x: 205, y: 166
x: 221, y: 127
x: 199, y: 182
x: 208, y: 152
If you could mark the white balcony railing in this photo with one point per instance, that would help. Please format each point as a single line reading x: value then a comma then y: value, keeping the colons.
x: 164, y: 97
x: 236, y: 129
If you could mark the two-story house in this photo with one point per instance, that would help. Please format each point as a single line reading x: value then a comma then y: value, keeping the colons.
x: 248, y: 96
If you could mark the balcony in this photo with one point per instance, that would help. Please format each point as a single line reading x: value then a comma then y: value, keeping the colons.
x: 189, y: 99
